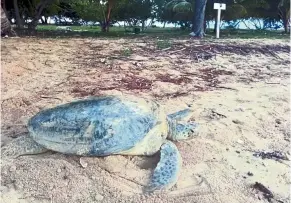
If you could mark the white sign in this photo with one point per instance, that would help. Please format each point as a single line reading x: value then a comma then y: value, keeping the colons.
x: 219, y: 6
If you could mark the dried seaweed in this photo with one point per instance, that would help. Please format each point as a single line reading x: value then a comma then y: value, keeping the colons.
x: 271, y: 155
x: 177, y: 80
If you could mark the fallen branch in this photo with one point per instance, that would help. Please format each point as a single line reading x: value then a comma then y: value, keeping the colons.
x: 229, y: 88
x: 273, y: 83
x: 49, y: 97
x: 166, y: 49
x: 172, y: 52
x: 219, y: 114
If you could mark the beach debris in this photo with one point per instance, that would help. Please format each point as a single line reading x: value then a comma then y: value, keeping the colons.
x: 99, y: 197
x: 236, y: 121
x: 215, y: 115
x: 240, y: 141
x: 250, y: 173
x: 83, y: 163
x: 278, y: 121
x: 12, y: 168
x: 264, y: 190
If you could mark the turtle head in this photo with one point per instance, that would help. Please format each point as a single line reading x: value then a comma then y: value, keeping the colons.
x: 179, y: 129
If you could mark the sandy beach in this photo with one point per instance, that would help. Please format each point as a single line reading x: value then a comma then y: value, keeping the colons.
x: 239, y: 91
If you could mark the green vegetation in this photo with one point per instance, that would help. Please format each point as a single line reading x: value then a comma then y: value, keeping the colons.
x: 163, y: 44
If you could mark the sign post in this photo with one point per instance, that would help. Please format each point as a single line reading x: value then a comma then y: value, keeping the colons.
x: 218, y: 7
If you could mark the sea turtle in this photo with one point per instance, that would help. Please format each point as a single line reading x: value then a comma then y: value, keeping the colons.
x: 108, y: 125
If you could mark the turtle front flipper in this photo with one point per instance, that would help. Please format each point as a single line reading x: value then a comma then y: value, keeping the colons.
x: 180, y: 115
x: 167, y: 171
x: 22, y: 145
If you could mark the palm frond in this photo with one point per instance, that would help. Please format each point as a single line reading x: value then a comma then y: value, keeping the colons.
x: 182, y: 7
x: 240, y: 10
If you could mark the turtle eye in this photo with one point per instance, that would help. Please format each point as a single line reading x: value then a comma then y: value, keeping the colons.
x: 189, y: 133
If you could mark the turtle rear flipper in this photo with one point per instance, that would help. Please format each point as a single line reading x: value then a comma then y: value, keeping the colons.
x: 167, y: 171
x: 22, y: 145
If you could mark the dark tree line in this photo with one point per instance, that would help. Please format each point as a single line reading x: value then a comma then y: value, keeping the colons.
x: 188, y: 14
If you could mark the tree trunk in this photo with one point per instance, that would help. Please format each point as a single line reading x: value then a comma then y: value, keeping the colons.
x: 151, y: 23
x: 42, y: 21
x: 143, y: 25
x: 19, y: 21
x: 284, y: 13
x: 198, y: 19
x: 205, y: 25
x: 38, y: 11
x: 285, y: 20
x: 6, y: 28
x: 286, y: 27
x: 3, y: 4
x: 106, y: 24
x: 215, y: 25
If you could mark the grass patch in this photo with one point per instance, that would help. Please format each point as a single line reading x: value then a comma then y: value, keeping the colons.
x: 126, y: 52
x: 251, y: 34
x: 163, y: 34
